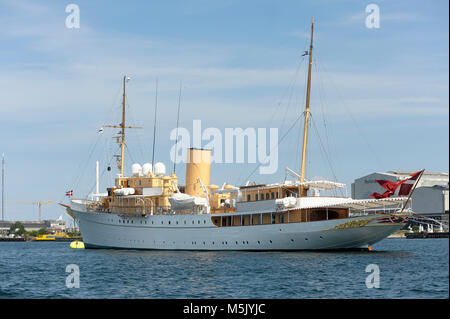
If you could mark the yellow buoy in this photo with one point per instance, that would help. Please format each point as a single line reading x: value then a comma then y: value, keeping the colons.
x: 77, y: 244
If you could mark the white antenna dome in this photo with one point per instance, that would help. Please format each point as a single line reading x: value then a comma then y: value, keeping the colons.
x: 146, y: 169
x: 159, y: 169
x: 136, y: 169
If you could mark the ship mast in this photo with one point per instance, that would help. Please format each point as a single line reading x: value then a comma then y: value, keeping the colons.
x: 121, y: 138
x: 308, y: 92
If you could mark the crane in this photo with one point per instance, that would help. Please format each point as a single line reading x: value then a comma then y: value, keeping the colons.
x: 39, y: 203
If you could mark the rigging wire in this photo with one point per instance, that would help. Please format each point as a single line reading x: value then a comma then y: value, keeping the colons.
x: 77, y: 178
x: 154, y: 124
x: 288, y: 92
x: 176, y: 134
x: 291, y: 91
x: 276, y: 146
x: 355, y: 123
x: 322, y: 95
x: 135, y: 133
x: 327, y: 157
x: 129, y: 153
x: 100, y: 177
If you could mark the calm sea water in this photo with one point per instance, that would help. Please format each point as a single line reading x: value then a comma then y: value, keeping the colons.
x: 409, y: 268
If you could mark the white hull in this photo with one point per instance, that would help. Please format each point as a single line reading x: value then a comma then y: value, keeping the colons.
x: 197, y: 232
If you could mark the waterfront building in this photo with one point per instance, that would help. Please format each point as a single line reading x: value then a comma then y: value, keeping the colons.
x: 430, y: 197
x: 51, y: 225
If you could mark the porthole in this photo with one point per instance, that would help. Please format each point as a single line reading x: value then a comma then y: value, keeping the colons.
x: 270, y: 241
x: 169, y: 222
x: 306, y: 238
x: 259, y: 242
x: 292, y: 240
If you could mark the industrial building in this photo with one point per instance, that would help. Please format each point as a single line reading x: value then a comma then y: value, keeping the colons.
x: 50, y: 225
x: 430, y: 197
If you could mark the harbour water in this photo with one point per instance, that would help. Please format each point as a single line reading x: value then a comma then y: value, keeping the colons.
x: 408, y: 268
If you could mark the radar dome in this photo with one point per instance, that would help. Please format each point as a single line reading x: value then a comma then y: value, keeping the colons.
x: 136, y: 169
x: 159, y: 169
x: 146, y: 169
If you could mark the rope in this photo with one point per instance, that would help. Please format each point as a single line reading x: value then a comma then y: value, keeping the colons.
x: 359, y: 130
x: 288, y: 92
x: 324, y: 150
x: 276, y: 146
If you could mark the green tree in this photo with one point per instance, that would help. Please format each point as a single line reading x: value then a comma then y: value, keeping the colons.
x: 17, y: 229
x: 32, y: 233
x: 42, y: 231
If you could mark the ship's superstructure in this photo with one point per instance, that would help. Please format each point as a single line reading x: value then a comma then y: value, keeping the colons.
x: 150, y: 210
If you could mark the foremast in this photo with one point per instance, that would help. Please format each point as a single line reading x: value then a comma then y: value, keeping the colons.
x: 122, y: 126
x: 307, y: 112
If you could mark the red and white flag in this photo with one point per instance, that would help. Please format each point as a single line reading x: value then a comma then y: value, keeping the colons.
x: 402, y: 188
x: 69, y: 193
x: 407, y: 184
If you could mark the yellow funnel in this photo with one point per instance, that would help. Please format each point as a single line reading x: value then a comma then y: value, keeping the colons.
x: 198, y: 166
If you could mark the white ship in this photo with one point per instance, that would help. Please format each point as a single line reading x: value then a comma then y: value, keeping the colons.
x: 149, y: 210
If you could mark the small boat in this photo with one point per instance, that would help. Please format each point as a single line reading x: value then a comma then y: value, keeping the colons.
x: 58, y: 236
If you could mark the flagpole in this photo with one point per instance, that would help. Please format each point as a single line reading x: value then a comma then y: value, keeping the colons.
x: 412, y: 191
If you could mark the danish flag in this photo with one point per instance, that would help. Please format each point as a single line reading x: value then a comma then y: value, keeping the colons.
x: 69, y: 193
x: 402, y: 188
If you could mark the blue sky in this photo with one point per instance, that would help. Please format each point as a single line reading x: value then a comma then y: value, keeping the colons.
x: 379, y: 96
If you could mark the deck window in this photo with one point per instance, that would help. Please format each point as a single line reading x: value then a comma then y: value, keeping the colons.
x: 248, y: 197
